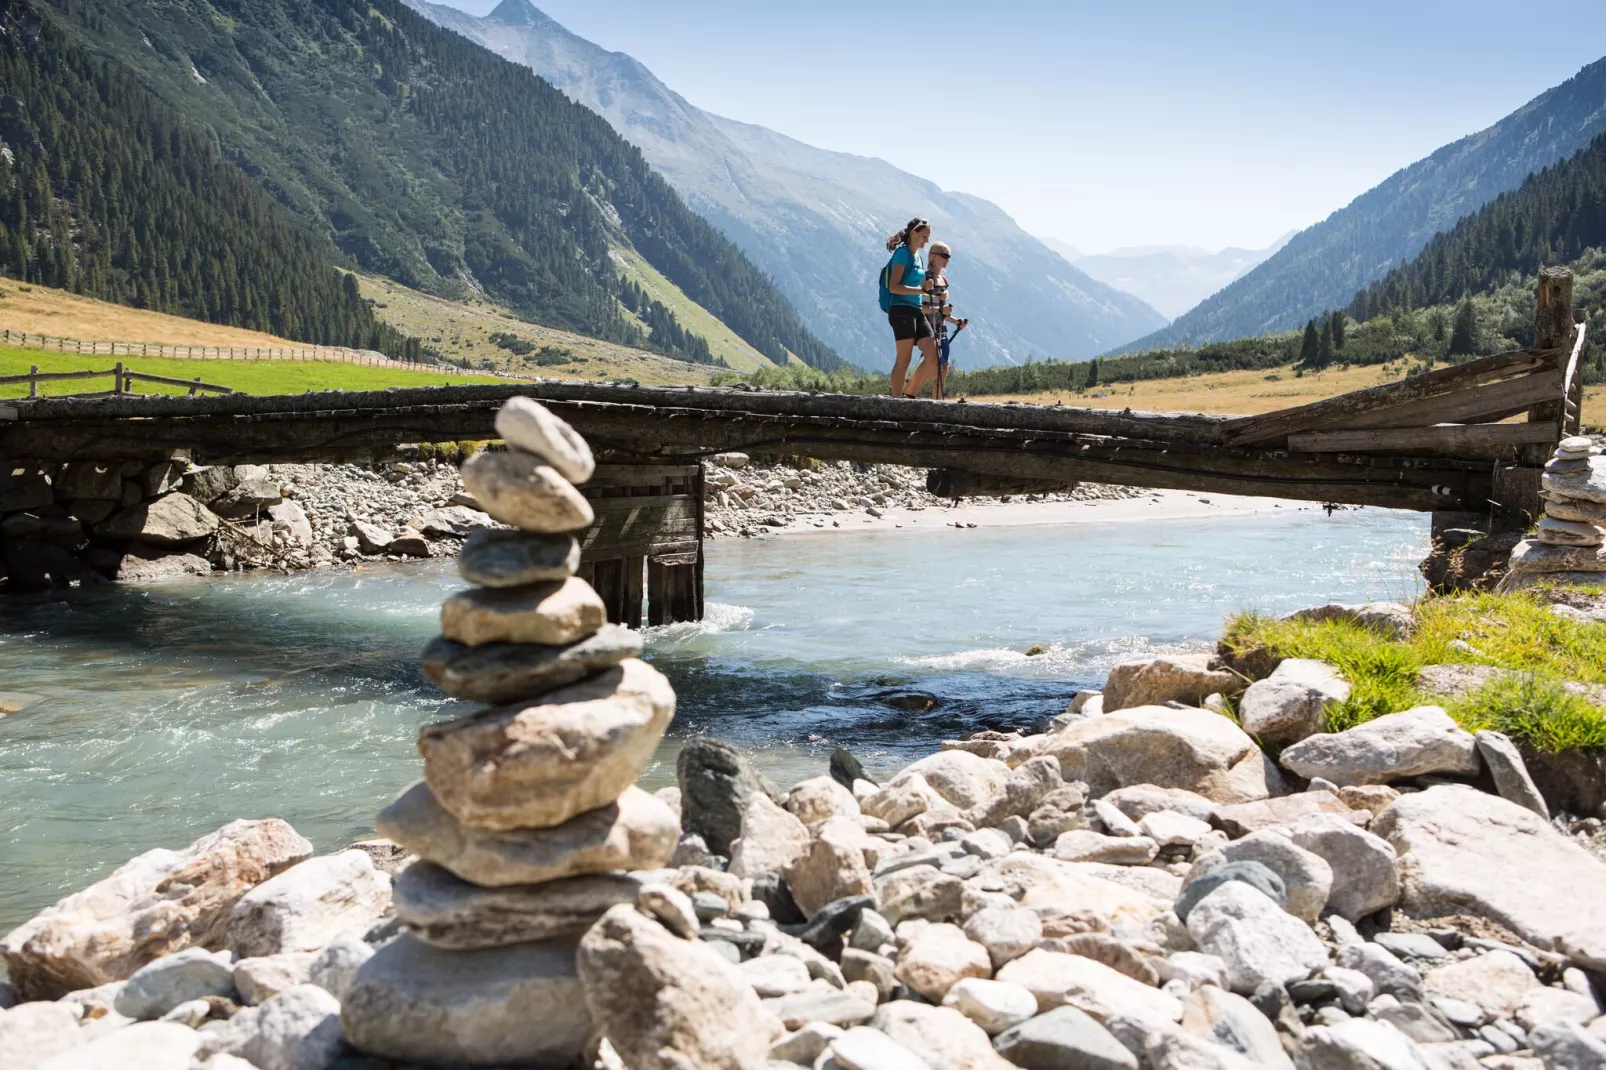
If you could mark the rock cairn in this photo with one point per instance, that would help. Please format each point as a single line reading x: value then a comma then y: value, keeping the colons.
x: 528, y: 817
x: 1567, y: 547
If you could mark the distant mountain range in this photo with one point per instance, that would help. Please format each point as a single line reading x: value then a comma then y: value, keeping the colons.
x: 1323, y: 266
x: 1171, y: 278
x: 815, y: 220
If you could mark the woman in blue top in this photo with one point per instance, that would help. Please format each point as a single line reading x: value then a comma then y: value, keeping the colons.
x: 903, y: 287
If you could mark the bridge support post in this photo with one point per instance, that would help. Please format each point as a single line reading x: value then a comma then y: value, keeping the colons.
x: 647, y: 540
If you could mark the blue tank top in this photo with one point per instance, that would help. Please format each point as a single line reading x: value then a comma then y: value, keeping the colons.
x: 914, y: 273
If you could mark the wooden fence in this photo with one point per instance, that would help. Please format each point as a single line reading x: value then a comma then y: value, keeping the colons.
x: 123, y: 380
x: 337, y: 354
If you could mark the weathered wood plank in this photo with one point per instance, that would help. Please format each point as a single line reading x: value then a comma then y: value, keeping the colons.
x: 1459, y: 439
x: 1492, y: 401
x: 955, y: 483
x: 1340, y: 411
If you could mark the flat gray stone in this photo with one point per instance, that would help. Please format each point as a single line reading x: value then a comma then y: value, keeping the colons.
x: 820, y: 1004
x: 636, y: 832
x: 1255, y: 938
x: 520, y: 1005
x: 1510, y: 773
x: 1531, y: 555
x: 528, y: 425
x: 446, y: 912
x: 506, y: 672
x: 556, y: 612
x: 516, y: 488
x: 1365, y: 879
x: 157, y: 988
x: 1064, y: 1039
x: 499, y: 558
x: 1293, y: 701
x: 33, y: 1033
x: 1307, y: 877
x: 1416, y: 742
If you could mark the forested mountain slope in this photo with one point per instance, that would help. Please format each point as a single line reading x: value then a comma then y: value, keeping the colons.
x: 815, y: 220
x: 1324, y: 265
x: 427, y: 159
x: 106, y: 192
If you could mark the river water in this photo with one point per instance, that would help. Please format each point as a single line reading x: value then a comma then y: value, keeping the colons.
x: 153, y: 716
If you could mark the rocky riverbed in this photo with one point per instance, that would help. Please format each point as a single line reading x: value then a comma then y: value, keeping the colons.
x: 1135, y: 885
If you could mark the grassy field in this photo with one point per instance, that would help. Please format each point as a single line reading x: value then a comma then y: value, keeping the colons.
x: 41, y: 310
x: 461, y: 330
x: 1248, y: 393
x: 1510, y: 631
x: 722, y: 341
x: 246, y: 376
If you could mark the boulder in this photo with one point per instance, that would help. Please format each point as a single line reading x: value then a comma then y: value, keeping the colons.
x: 715, y: 782
x: 298, y: 1029
x: 1192, y: 749
x: 1258, y: 941
x: 508, y: 672
x: 943, y: 1037
x: 447, y: 912
x: 310, y: 905
x: 552, y: 613
x: 1497, y: 981
x: 1511, y: 778
x: 670, y: 1004
x: 1028, y: 785
x: 538, y: 765
x: 1141, y: 800
x: 1392, y: 619
x: 530, y: 426
x: 1532, y: 557
x: 517, y: 489
x: 910, y: 797
x: 820, y: 1002
x: 335, y: 967
x: 1240, y: 819
x: 772, y: 839
x: 833, y: 867
x: 260, y: 979
x: 159, y: 902
x: 1085, y: 845
x: 141, y: 565
x: 1257, y: 875
x: 290, y: 521
x: 636, y: 832
x: 1059, y: 980
x: 1048, y: 884
x: 170, y: 521
x: 411, y: 544
x: 819, y: 798
x: 1064, y: 1037
x: 1228, y: 1019
x: 1293, y: 701
x: 1006, y: 932
x: 497, y: 557
x: 1307, y: 878
x: 516, y: 1005
x: 938, y: 958
x: 1465, y: 852
x: 1185, y: 678
x: 962, y: 779
x: 31, y: 1034
x: 1360, y: 1044
x: 207, y: 485
x: 1363, y: 865
x: 141, y: 1046
x: 158, y: 987
x: 779, y: 975
x: 920, y: 893
x: 372, y: 538
x: 249, y: 497
x: 1542, y: 1005
x: 453, y: 521
x: 1417, y: 742
x: 993, y: 1005
x: 1569, y: 1046
x: 863, y: 1048
x: 1175, y: 830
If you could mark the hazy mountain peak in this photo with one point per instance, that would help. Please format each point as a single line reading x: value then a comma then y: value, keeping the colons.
x: 519, y: 13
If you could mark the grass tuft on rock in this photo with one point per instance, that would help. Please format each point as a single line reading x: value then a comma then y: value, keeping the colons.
x: 1515, y: 631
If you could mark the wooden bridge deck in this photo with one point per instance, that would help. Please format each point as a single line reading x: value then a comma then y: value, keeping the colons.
x: 1432, y: 442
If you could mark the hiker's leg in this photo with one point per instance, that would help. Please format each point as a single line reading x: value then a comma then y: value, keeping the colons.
x: 900, y: 365
x: 927, y: 371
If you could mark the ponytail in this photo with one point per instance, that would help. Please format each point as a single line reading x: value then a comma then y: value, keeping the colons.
x: 902, y: 237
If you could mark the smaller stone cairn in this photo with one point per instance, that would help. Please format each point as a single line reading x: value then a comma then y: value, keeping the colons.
x: 1567, y: 548
x: 528, y: 819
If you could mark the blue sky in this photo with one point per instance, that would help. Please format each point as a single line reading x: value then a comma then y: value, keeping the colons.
x: 1109, y: 125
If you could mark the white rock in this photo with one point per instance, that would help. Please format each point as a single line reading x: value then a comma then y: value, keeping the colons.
x: 530, y: 426
x: 805, y: 1045
x: 1193, y: 968
x: 1497, y: 981
x: 1510, y: 772
x: 772, y: 839
x: 962, y: 779
x: 1361, y: 1044
x: 1006, y: 932
x: 1227, y: 1019
x: 1542, y: 1005
x: 191, y: 1013
x: 1416, y: 742
x: 1192, y: 749
x: 820, y: 798
x: 335, y: 967
x: 1293, y: 701
x: 142, y: 1046
x: 31, y: 1034
x: 260, y: 979
x: 296, y: 1030
x: 1363, y: 865
x: 910, y: 797
x: 863, y: 1048
x: 775, y: 975
x: 671, y: 908
x: 943, y: 1037
x: 993, y: 1005
x: 1153, y: 681
x: 1307, y: 876
x: 1059, y: 980
x: 1258, y: 941
x: 1085, y: 845
x: 310, y: 905
x: 1171, y: 829
x: 833, y: 868
x: 160, y: 986
x: 939, y: 958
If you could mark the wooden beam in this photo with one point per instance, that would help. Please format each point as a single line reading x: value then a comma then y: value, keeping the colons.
x: 1454, y: 439
x: 956, y: 483
x: 1478, y: 404
x: 1340, y: 411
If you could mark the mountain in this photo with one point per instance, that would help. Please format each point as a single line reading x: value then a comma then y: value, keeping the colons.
x: 1323, y: 266
x: 424, y: 158
x: 105, y: 192
x: 815, y: 220
x: 1172, y: 278
x: 1555, y: 217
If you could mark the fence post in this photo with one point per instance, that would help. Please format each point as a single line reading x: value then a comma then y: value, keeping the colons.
x: 117, y: 378
x: 33, y: 387
x: 196, y: 387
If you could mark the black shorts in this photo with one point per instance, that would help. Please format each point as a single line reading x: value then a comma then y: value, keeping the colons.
x: 908, y: 323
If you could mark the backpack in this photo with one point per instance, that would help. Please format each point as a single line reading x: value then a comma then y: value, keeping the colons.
x: 886, y: 282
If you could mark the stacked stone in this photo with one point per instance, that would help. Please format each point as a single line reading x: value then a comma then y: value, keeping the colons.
x: 528, y: 817
x: 1567, y: 546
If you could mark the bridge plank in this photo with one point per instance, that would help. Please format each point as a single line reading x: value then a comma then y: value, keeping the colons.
x: 1341, y: 410
x: 1493, y: 401
x: 1460, y: 439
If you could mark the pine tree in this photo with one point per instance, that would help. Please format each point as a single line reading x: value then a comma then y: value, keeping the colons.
x: 1324, y: 348
x: 1336, y: 321
x: 1464, y: 335
x: 1311, y: 346
x: 1093, y: 373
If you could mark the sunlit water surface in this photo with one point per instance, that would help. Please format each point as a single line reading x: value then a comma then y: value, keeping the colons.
x: 160, y: 714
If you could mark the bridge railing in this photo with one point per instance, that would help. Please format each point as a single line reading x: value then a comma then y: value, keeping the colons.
x: 123, y: 380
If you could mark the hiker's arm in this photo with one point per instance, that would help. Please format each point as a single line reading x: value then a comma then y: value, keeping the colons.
x: 895, y: 282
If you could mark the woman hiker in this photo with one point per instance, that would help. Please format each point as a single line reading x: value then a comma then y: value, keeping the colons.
x: 940, y: 313
x: 903, y: 289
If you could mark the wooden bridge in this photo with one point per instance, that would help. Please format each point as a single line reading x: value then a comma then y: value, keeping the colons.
x: 1436, y: 442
